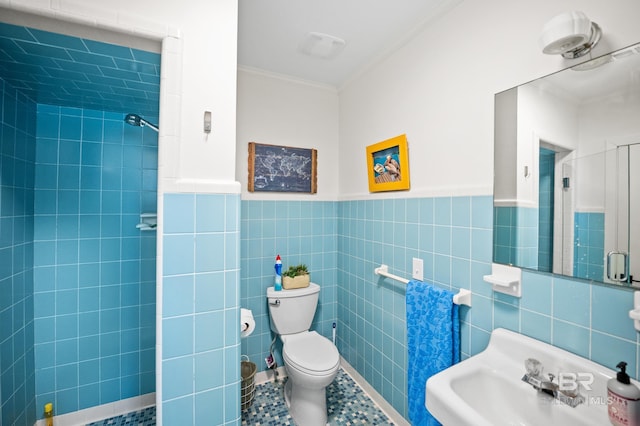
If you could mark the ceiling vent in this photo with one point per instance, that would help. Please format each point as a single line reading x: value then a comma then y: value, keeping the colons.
x: 322, y: 45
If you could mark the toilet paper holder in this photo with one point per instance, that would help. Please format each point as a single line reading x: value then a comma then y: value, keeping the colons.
x: 247, y: 322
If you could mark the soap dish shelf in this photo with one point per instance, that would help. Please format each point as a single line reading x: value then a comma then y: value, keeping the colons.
x: 148, y: 222
x: 634, y: 314
x: 505, y: 279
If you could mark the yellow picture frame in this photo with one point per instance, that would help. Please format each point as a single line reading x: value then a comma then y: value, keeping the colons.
x: 388, y: 165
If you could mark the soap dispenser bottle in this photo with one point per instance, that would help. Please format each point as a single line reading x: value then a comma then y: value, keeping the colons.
x: 623, y: 399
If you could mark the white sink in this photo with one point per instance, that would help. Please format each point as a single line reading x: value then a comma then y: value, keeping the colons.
x: 487, y: 389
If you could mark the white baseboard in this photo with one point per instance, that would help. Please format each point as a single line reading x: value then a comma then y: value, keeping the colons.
x: 101, y: 412
x: 268, y: 375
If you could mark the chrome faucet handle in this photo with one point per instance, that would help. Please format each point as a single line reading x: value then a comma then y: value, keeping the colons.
x: 533, y: 367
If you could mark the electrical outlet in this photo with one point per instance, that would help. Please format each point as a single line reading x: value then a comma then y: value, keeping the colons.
x: 418, y: 269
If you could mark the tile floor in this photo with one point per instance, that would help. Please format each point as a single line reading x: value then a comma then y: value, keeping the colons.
x: 146, y: 417
x: 347, y: 404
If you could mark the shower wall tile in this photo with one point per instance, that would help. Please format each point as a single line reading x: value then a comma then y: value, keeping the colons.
x: 17, y: 326
x: 94, y: 272
x: 200, y: 307
x: 57, y: 65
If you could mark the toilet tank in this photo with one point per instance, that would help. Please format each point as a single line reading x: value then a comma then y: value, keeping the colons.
x: 292, y: 311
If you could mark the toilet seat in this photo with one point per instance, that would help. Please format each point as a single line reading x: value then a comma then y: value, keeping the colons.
x: 311, y: 353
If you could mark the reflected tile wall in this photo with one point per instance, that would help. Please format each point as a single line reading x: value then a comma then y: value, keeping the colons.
x: 517, y: 236
x: 545, y: 209
x: 588, y: 250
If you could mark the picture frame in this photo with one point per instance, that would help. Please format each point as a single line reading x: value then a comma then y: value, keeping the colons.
x: 278, y: 168
x: 388, y: 165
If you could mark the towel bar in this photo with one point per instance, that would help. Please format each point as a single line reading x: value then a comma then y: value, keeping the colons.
x: 462, y: 298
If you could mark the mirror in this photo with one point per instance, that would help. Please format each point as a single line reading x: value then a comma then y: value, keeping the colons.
x: 567, y: 172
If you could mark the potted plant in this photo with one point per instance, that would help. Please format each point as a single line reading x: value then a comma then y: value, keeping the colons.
x: 295, y: 277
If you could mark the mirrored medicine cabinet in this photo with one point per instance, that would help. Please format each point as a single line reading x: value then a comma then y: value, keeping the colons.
x: 567, y: 172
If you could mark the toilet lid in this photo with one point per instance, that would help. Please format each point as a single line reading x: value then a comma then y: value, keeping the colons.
x: 311, y: 352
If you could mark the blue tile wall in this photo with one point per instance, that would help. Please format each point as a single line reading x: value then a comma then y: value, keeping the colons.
x: 301, y: 232
x: 17, y: 155
x: 588, y: 245
x: 94, y: 272
x: 200, y: 309
x: 453, y: 235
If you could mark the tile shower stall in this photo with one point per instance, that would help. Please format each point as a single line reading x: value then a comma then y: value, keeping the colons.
x: 77, y: 278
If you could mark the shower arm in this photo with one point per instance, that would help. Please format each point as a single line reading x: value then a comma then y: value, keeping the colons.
x: 144, y: 122
x: 136, y: 120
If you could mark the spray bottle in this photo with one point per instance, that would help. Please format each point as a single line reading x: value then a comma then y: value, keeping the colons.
x: 48, y: 414
x: 278, y: 266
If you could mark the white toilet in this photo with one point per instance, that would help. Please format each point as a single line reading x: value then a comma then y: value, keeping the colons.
x: 311, y: 360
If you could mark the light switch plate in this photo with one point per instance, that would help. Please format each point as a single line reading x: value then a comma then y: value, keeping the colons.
x: 418, y: 269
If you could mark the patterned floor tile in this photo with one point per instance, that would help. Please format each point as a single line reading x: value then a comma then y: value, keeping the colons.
x: 347, y: 404
x: 146, y: 417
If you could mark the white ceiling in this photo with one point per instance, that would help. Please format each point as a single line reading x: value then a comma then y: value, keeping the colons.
x: 270, y: 33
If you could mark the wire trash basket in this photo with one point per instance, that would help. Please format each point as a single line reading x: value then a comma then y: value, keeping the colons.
x: 248, y: 387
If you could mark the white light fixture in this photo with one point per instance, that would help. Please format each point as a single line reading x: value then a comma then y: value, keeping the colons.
x: 592, y: 64
x: 571, y: 34
x: 322, y: 46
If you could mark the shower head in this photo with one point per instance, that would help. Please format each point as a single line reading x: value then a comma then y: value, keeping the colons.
x: 136, y: 120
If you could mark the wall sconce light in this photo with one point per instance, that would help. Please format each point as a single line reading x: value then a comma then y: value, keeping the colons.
x: 571, y: 34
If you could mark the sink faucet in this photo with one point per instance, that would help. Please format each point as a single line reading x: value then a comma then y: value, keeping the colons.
x: 534, y: 377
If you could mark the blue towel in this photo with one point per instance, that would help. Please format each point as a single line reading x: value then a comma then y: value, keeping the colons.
x: 433, y: 340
